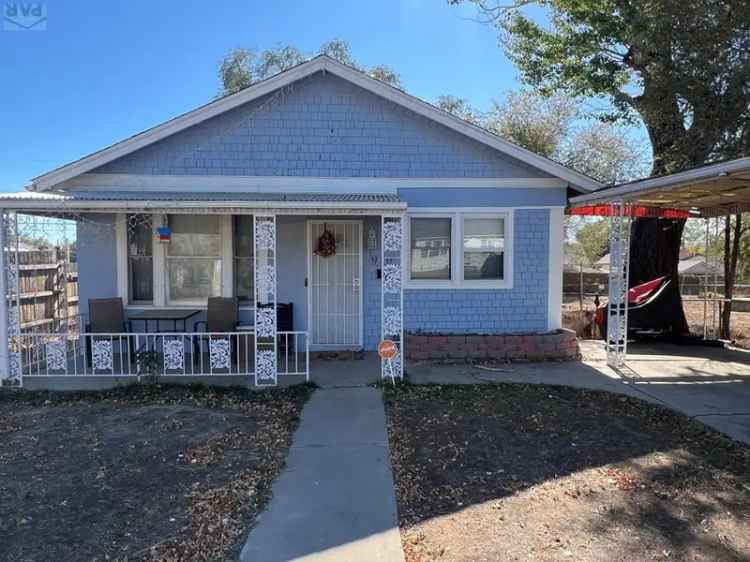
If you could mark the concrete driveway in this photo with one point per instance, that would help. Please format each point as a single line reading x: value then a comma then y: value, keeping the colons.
x: 709, y: 384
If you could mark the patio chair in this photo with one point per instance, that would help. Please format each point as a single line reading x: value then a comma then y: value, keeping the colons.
x: 285, y: 323
x: 107, y: 316
x: 222, y: 315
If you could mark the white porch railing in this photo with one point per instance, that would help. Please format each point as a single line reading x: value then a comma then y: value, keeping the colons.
x: 139, y: 354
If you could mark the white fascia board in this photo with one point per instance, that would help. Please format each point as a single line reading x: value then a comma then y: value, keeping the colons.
x: 150, y: 136
x: 292, y: 184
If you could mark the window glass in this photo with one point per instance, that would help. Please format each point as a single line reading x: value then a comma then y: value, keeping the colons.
x: 484, y: 248
x: 194, y: 235
x: 194, y: 257
x: 140, y: 259
x: 244, y: 270
x: 430, y: 248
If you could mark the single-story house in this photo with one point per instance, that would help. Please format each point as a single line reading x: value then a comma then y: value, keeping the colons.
x: 373, y: 213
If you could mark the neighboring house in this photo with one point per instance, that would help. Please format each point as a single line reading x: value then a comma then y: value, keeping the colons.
x: 697, y: 266
x: 688, y: 266
x: 473, y: 224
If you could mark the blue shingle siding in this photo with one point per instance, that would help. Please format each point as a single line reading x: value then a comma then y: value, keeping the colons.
x: 321, y: 126
x: 520, y: 309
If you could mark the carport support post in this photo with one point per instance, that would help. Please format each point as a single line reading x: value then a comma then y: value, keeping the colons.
x: 266, y: 368
x: 392, y: 295
x: 617, y: 306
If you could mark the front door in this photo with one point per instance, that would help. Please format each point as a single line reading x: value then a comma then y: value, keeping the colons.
x: 334, y: 288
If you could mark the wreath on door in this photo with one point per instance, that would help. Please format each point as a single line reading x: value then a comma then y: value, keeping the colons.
x: 326, y: 243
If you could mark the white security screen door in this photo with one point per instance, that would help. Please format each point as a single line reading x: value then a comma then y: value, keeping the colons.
x: 334, y: 291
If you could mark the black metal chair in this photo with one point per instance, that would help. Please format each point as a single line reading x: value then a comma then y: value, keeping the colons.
x: 222, y: 315
x: 107, y: 316
x: 285, y: 316
x: 285, y: 323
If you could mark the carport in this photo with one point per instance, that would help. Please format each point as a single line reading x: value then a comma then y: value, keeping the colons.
x: 709, y: 192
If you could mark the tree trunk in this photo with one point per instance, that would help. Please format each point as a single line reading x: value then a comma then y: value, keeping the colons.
x: 655, y: 243
x: 655, y: 252
x: 731, y: 256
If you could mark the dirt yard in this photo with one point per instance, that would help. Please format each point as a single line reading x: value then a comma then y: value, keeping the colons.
x: 144, y: 473
x: 525, y: 472
x: 582, y: 322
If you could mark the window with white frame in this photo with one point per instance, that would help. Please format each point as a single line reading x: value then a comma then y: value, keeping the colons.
x: 244, y: 261
x: 204, y: 256
x: 140, y: 259
x: 460, y: 249
x: 193, y: 259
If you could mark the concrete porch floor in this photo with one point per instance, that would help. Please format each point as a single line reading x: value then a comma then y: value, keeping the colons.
x: 335, y: 373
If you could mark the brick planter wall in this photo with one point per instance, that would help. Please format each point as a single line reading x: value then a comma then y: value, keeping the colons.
x: 560, y: 345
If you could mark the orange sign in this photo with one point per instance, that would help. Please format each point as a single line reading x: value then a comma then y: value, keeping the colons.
x: 387, y: 349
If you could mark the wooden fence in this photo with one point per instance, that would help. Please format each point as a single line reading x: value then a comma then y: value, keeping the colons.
x: 48, y: 286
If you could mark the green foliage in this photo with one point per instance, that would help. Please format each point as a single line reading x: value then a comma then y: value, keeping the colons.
x: 574, y: 254
x: 694, y: 236
x: 682, y: 66
x: 532, y: 121
x: 149, y: 363
x: 235, y: 70
x: 552, y: 127
x: 593, y: 238
x: 458, y: 107
x: 241, y: 68
x: 603, y: 151
x: 273, y: 61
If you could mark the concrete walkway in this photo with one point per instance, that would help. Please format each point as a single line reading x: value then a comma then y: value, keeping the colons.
x: 709, y: 384
x: 335, y: 500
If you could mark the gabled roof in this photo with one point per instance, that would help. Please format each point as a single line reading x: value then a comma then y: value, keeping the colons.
x: 321, y: 63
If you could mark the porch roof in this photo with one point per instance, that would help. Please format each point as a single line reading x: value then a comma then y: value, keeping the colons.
x: 209, y: 202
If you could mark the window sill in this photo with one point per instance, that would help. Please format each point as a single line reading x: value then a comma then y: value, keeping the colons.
x: 459, y: 285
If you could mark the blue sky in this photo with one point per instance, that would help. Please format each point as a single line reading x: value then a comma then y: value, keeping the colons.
x: 102, y: 71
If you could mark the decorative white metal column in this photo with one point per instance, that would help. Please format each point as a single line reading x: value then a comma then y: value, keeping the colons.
x: 10, y: 310
x: 266, y: 371
x: 617, y: 307
x: 392, y: 296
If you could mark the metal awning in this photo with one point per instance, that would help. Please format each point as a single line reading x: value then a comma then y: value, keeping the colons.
x: 206, y: 202
x: 708, y: 191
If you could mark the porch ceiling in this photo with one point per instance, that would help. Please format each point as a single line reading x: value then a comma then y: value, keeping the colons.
x: 205, y: 202
x: 708, y: 191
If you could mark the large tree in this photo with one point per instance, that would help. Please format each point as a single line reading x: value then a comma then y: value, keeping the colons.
x: 242, y: 67
x: 554, y: 127
x: 681, y: 66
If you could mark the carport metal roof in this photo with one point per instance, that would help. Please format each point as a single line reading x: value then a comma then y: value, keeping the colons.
x: 709, y: 191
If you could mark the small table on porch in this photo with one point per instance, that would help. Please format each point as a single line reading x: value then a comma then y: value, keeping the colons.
x: 173, y: 315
